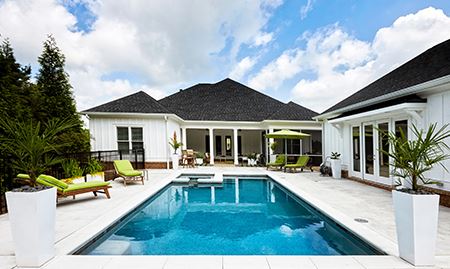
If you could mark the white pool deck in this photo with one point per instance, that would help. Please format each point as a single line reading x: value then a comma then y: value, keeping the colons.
x: 79, y: 220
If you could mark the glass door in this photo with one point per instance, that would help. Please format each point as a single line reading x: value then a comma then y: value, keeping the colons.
x: 383, y: 148
x: 369, y: 151
x: 356, y: 151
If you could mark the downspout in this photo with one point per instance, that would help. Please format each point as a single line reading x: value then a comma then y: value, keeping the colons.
x: 165, y: 144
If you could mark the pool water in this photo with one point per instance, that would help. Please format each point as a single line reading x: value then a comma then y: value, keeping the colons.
x: 244, y: 216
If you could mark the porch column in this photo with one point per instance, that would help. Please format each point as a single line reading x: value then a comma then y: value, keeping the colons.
x: 271, y: 140
x: 211, y: 146
x: 184, y: 138
x: 235, y: 146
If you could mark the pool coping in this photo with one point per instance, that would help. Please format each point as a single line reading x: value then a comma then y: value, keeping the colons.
x: 73, y: 242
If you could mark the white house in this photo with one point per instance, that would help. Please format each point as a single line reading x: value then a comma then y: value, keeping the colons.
x: 226, y: 119
x: 417, y: 92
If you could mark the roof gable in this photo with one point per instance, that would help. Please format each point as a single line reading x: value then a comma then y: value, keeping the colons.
x: 431, y: 64
x: 139, y: 102
x: 293, y: 111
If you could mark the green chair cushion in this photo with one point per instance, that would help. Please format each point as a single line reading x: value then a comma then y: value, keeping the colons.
x: 23, y: 176
x: 55, y: 182
x: 85, y: 185
x: 45, y: 183
x: 122, y: 165
x: 280, y: 160
x: 130, y: 173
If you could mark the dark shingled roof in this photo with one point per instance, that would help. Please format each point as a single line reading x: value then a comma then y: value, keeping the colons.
x: 139, y: 102
x: 431, y: 64
x: 229, y: 100
x: 293, y: 111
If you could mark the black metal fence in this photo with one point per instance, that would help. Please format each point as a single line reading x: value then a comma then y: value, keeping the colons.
x: 106, y: 158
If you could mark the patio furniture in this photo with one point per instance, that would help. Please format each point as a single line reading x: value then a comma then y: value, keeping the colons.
x: 188, y: 158
x: 126, y: 171
x: 279, y: 162
x: 301, y: 163
x: 65, y: 190
x: 206, y: 159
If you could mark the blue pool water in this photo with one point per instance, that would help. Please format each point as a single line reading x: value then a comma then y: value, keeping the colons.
x: 239, y: 217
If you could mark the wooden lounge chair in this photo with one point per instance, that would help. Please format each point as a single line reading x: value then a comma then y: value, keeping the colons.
x: 279, y: 162
x: 301, y: 163
x: 126, y: 171
x: 65, y: 190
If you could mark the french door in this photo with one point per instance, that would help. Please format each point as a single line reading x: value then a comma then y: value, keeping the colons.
x: 369, y: 146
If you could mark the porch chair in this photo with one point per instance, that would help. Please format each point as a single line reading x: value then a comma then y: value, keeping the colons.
x: 126, y: 171
x: 301, y: 163
x: 279, y: 162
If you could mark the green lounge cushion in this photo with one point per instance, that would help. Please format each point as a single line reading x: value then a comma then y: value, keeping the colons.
x: 45, y: 183
x: 280, y: 160
x: 124, y: 168
x: 53, y: 181
x: 23, y: 176
x: 85, y: 185
x: 122, y: 165
x: 301, y: 162
x: 130, y: 173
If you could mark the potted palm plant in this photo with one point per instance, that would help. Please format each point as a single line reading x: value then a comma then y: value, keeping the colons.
x: 94, y: 170
x: 416, y: 210
x: 175, y: 144
x: 32, y: 208
x: 335, y: 160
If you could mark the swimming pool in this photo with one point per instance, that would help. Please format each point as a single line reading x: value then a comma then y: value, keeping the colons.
x: 242, y: 216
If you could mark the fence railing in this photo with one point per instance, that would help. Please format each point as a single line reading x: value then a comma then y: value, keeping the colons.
x: 106, y: 158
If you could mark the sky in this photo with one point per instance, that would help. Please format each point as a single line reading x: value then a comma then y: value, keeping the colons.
x: 312, y: 52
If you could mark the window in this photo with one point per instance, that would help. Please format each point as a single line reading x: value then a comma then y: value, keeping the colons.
x: 124, y: 143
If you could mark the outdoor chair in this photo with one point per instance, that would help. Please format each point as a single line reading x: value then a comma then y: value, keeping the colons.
x: 66, y: 190
x: 206, y: 158
x: 126, y: 171
x: 301, y: 163
x: 279, y: 162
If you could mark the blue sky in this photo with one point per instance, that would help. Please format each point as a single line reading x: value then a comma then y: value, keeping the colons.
x: 291, y: 50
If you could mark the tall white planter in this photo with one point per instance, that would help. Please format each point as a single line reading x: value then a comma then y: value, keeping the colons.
x: 416, y: 218
x: 32, y: 218
x: 175, y: 161
x: 336, y: 168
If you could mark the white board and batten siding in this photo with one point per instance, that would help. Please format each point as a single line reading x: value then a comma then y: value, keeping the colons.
x: 155, y: 137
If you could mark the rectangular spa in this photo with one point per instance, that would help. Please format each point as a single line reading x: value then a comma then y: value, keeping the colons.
x: 242, y: 216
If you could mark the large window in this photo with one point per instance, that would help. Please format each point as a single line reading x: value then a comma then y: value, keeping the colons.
x: 130, y: 138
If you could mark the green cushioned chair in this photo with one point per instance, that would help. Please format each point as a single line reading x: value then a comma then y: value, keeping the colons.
x: 301, y: 163
x: 126, y: 171
x: 65, y: 190
x: 279, y: 162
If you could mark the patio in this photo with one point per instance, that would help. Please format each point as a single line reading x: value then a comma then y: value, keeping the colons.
x: 80, y: 219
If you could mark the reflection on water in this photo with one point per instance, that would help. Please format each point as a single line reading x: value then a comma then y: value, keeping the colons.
x: 241, y: 216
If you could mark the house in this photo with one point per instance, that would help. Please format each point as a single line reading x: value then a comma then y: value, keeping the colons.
x: 417, y: 92
x: 226, y: 119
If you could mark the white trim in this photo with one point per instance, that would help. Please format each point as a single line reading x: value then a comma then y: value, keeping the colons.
x: 133, y: 115
x: 430, y: 85
x: 401, y: 108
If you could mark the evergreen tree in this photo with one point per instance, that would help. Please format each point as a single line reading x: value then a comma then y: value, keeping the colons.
x: 15, y: 87
x: 57, y: 98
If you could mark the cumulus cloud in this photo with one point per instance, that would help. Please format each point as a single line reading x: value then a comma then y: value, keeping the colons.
x: 337, y: 64
x: 162, y: 44
x: 242, y: 68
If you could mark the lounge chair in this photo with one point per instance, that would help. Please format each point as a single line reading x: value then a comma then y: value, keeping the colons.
x: 301, y: 163
x: 126, y: 171
x: 65, y: 190
x: 279, y: 162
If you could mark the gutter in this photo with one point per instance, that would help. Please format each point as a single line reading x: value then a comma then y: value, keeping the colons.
x: 390, y: 96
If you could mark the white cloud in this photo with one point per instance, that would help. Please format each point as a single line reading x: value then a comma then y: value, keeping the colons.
x: 263, y: 39
x: 338, y: 64
x: 162, y: 43
x: 305, y: 9
x: 242, y: 68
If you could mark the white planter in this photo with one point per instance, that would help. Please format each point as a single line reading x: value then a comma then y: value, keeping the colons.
x: 272, y: 158
x: 32, y: 219
x: 175, y: 161
x: 99, y: 176
x: 416, y: 218
x: 251, y: 162
x: 199, y: 161
x: 336, y: 168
